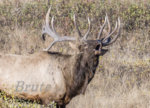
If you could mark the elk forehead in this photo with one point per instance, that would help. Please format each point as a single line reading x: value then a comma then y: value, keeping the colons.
x: 90, y: 46
x: 93, y: 43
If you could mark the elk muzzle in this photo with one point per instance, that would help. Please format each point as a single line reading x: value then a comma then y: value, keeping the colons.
x: 98, y: 48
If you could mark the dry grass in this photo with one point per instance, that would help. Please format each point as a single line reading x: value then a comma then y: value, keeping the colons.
x: 122, y: 79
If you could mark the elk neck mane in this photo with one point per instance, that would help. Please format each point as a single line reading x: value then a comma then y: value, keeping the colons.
x: 78, y: 72
x: 84, y: 70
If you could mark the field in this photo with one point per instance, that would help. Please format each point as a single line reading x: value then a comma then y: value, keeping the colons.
x: 122, y: 79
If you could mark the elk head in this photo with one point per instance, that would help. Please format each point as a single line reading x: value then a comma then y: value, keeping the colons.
x: 82, y: 43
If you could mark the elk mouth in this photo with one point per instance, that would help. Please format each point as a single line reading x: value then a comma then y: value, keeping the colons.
x: 98, y: 48
x: 97, y: 52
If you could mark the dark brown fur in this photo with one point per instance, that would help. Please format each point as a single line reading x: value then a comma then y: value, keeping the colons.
x: 84, y: 65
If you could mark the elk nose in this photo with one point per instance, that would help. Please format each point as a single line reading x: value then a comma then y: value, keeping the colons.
x: 98, y: 48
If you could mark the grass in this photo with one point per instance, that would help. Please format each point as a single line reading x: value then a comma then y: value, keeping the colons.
x: 122, y: 77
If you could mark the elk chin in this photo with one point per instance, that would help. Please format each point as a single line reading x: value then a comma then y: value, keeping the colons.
x: 97, y: 52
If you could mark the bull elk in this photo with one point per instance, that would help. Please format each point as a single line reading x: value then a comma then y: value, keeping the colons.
x: 53, y: 76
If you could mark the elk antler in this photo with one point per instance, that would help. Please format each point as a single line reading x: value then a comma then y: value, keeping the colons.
x: 75, y: 23
x: 52, y: 32
x: 57, y: 38
x: 110, y: 33
x: 115, y: 37
x: 101, y: 30
x: 84, y: 38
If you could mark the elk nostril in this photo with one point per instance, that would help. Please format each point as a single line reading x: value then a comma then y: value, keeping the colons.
x: 97, y: 47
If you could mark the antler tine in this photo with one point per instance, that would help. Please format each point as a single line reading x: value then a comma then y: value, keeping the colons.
x: 51, y: 32
x: 46, y: 28
x: 86, y: 35
x: 47, y: 16
x: 118, y: 33
x: 79, y: 33
x: 109, y: 26
x: 111, y: 32
x: 101, y: 30
x: 52, y: 24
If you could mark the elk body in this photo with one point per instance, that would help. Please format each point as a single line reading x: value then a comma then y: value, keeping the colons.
x: 52, y: 76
